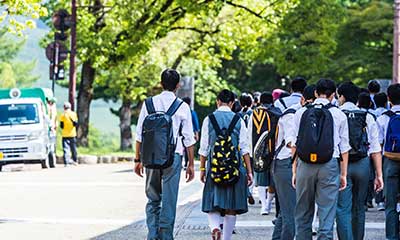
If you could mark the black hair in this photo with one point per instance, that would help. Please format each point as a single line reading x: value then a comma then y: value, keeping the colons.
x: 226, y: 96
x: 325, y: 87
x: 246, y: 100
x: 170, y: 79
x: 364, y: 90
x: 309, y: 92
x: 374, y: 87
x: 187, y: 100
x: 394, y: 94
x: 266, y: 98
x: 236, y: 107
x: 381, y: 100
x: 364, y: 100
x: 350, y: 91
x: 298, y: 84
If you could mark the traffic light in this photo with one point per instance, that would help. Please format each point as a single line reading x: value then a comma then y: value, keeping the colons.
x: 57, y: 52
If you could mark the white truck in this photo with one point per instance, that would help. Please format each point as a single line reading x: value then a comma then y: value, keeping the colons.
x: 24, y: 127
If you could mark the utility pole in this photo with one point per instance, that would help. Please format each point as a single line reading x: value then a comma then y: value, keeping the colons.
x: 396, y: 43
x: 72, y: 64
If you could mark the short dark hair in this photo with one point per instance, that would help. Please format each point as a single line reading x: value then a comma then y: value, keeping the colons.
x: 170, y: 79
x: 350, y: 91
x: 309, y: 92
x: 364, y: 100
x: 226, y: 96
x: 236, y: 107
x: 374, y: 86
x: 298, y: 84
x: 325, y: 87
x: 246, y: 100
x: 394, y: 94
x: 187, y: 100
x: 381, y: 100
x: 266, y: 98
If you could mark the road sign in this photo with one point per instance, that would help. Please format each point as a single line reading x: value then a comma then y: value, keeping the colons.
x: 56, y: 51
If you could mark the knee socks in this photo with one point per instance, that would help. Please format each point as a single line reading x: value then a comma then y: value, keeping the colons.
x: 263, y: 196
x: 270, y: 197
x: 229, y: 225
x: 214, y: 220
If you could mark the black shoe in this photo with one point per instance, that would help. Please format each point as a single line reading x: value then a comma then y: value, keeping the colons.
x: 274, y: 221
x: 250, y: 199
x: 370, y: 205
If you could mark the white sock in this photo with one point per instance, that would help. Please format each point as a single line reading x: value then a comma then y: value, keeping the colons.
x: 214, y: 220
x: 229, y: 225
x: 262, y: 194
x: 270, y: 197
x: 315, y: 220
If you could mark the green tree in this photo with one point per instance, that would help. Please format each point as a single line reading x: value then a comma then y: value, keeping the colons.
x: 14, y: 73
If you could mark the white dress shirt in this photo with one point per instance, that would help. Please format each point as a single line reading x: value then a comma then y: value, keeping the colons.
x: 291, y: 100
x: 340, y: 128
x: 285, y: 126
x: 205, y: 147
x: 372, y: 128
x: 383, y: 122
x: 183, y: 116
x: 379, y: 111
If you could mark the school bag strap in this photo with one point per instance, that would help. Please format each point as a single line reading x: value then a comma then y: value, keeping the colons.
x: 389, y: 113
x: 282, y: 102
x: 232, y: 125
x: 150, y: 105
x: 174, y: 107
x: 216, y: 127
x: 288, y: 111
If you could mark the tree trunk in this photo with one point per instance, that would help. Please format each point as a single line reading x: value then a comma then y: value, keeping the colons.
x: 85, y: 97
x: 125, y: 118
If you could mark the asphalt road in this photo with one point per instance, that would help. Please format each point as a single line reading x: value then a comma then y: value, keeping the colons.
x: 107, y: 202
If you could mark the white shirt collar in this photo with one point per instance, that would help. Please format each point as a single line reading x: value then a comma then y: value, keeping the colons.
x: 348, y: 106
x: 224, y: 109
x: 323, y: 101
x: 396, y: 108
x: 296, y: 94
x: 167, y: 93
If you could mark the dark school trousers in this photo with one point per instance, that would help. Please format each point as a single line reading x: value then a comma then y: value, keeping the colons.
x: 392, y: 184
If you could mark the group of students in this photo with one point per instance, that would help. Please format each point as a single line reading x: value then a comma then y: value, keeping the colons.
x: 313, y: 150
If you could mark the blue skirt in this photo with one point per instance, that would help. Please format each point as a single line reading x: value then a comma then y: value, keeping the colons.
x: 263, y: 179
x: 219, y: 199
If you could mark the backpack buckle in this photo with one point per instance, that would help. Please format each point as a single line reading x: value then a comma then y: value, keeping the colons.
x: 313, y: 157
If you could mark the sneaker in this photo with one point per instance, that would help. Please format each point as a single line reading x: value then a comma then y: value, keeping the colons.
x: 251, y: 201
x: 381, y: 206
x: 264, y: 212
x: 216, y: 234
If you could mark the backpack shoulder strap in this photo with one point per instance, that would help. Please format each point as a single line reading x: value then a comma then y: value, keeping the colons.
x: 232, y: 125
x: 150, y: 105
x: 282, y: 102
x: 389, y: 113
x: 214, y: 124
x: 174, y: 107
x: 373, y: 115
x: 288, y: 111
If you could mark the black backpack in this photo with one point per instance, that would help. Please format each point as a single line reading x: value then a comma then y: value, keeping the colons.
x: 357, y: 120
x: 158, y: 144
x: 265, y: 130
x: 315, y: 139
x: 224, y: 162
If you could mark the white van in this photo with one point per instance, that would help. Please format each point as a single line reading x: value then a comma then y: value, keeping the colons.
x: 24, y: 131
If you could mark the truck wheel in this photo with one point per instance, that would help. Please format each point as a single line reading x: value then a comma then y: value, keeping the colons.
x: 52, y: 160
x: 45, y: 162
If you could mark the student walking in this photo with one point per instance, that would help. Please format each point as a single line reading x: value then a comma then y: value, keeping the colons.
x: 159, y: 124
x: 262, y: 134
x: 389, y: 134
x: 224, y: 176
x: 68, y: 124
x: 196, y: 129
x: 317, y: 175
x: 363, y: 137
x: 297, y: 86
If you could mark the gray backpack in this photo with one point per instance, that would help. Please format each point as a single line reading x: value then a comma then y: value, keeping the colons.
x: 158, y: 144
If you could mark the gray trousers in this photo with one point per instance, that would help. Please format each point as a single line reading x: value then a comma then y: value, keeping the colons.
x: 316, y: 183
x: 350, y: 215
x: 282, y: 174
x: 162, y: 188
x: 392, y: 186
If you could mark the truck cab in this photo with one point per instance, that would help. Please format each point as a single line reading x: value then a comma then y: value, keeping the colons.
x: 24, y: 127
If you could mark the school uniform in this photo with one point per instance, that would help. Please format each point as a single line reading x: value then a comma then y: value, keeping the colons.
x: 391, y: 175
x: 284, y: 228
x: 319, y: 183
x: 287, y: 102
x: 162, y: 185
x: 350, y: 214
x: 216, y: 198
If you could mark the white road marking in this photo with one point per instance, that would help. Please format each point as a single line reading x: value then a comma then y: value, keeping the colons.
x: 72, y: 184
